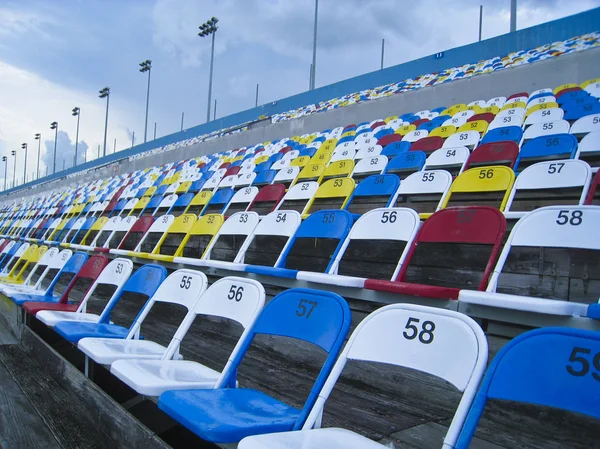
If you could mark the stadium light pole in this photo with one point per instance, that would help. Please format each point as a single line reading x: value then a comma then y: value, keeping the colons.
x: 480, y: 21
x: 146, y: 66
x: 54, y: 126
x: 38, y: 137
x: 382, y: 51
x: 105, y: 93
x: 14, y: 153
x: 314, y: 57
x: 24, y: 147
x: 5, y: 160
x: 75, y: 112
x: 207, y: 29
x: 513, y: 16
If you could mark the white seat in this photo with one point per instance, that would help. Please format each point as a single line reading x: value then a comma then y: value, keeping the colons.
x: 297, y: 197
x: 430, y: 184
x: 343, y: 152
x: 541, y: 100
x: 547, y: 227
x: 455, y: 121
x: 182, y: 287
x: 589, y: 148
x: 158, y: 228
x: 415, y: 135
x: 544, y: 115
x: 509, y: 120
x: 585, y: 125
x: 286, y: 175
x: 367, y: 149
x: 387, y: 229
x: 468, y: 139
x: 371, y: 165
x: 234, y: 298
x: 115, y: 273
x: 450, y: 159
x: 166, y: 204
x: 545, y: 129
x: 439, y: 342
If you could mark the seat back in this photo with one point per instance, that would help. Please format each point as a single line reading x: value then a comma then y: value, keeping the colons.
x: 371, y: 165
x: 456, y: 248
x: 495, y: 153
x: 318, y: 317
x: 154, y: 234
x: 135, y: 233
x: 561, y: 262
x: 233, y: 298
x: 486, y: 186
x: 589, y: 149
x: 165, y: 205
x: 90, y: 236
x: 332, y: 194
x: 13, y: 257
x: 85, y: 276
x: 231, y: 236
x: 23, y: 260
x: 201, y: 234
x: 182, y: 287
x: 372, y: 192
x: 106, y: 232
x: 549, y: 367
x: 593, y: 197
x: 547, y: 183
x: 286, y: 176
x: 199, y: 202
x: 377, y: 244
x: 551, y: 147
x: 36, y: 265
x: 443, y: 343
x: 317, y: 241
x: 298, y: 196
x: 172, y: 241
x: 406, y: 164
x: 69, y: 265
x: 218, y: 202
x: 452, y: 160
x: 425, y: 192
x: 120, y: 230
x: 74, y: 230
x: 240, y: 200
x: 181, y: 204
x: 267, y: 199
x: 469, y: 139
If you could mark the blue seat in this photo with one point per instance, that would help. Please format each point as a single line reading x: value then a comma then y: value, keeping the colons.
x: 264, y: 178
x: 572, y: 96
x: 180, y: 204
x: 162, y: 189
x: 345, y: 139
x: 513, y: 133
x: 118, y: 207
x: 395, y: 148
x: 543, y: 94
x: 197, y: 185
x: 274, y: 158
x: 228, y: 415
x: 72, y: 266
x: 218, y: 201
x: 409, y: 117
x: 372, y: 192
x: 406, y: 163
x: 319, y: 139
x: 575, y: 112
x: 81, y: 232
x: 236, y: 163
x: 555, y: 146
x: 554, y: 367
x: 9, y: 254
x: 266, y: 165
x: 427, y: 126
x: 144, y: 281
x: 310, y: 152
x: 65, y: 230
x: 439, y: 109
x: 150, y: 208
x: 313, y: 247
x: 384, y: 132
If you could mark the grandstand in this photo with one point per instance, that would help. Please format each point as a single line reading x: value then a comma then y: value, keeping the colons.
x: 367, y: 269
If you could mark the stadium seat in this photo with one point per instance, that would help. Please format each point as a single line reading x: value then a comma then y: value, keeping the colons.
x: 551, y: 147
x: 561, y: 237
x: 428, y: 340
x: 593, y: 197
x: 240, y: 200
x: 143, y: 364
x: 29, y: 270
x: 486, y: 186
x: 452, y: 160
x: 267, y: 199
x: 405, y: 164
x: 200, y: 236
x: 544, y: 115
x: 373, y: 192
x: 395, y: 148
x: 455, y: 249
x: 139, y: 288
x: 223, y: 249
x: 120, y: 229
x: 110, y: 281
x: 469, y: 139
x: 201, y: 411
x: 371, y: 165
x: 152, y: 236
x: 313, y: 247
x: 427, y: 144
x: 172, y: 242
x: 180, y: 205
x: 332, y: 194
x: 298, y: 196
x: 512, y: 133
x: 27, y: 253
x: 544, y: 367
x: 133, y: 235
x: 199, y: 202
x: 495, y: 153
x: 218, y: 202
x: 589, y: 149
x: 547, y: 183
x: 375, y: 248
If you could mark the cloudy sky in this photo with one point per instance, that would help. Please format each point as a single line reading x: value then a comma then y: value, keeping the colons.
x: 55, y: 55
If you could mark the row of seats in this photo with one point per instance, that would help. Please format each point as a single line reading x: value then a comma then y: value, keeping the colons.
x: 208, y: 402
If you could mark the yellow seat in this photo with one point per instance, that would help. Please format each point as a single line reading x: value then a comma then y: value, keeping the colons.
x: 490, y: 109
x: 332, y: 194
x: 513, y: 105
x: 201, y: 234
x: 481, y: 186
x: 454, y: 109
x: 93, y: 231
x: 557, y: 89
x: 443, y: 131
x: 183, y: 187
x: 198, y: 203
x: 403, y: 130
x: 329, y: 145
x: 57, y: 230
x: 540, y: 107
x: 300, y: 161
x: 15, y: 275
x: 348, y: 133
x: 390, y: 118
x: 172, y: 242
x: 321, y: 158
x: 261, y: 159
x: 480, y: 126
x: 475, y: 108
x: 338, y: 169
x: 138, y: 207
x: 150, y: 191
x: 311, y: 172
x: 588, y: 82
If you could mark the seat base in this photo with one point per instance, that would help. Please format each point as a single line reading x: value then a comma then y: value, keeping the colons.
x: 330, y: 438
x: 74, y: 331
x: 107, y: 350
x: 52, y: 317
x: 228, y: 415
x: 33, y: 308
x: 404, y: 288
x: 22, y: 298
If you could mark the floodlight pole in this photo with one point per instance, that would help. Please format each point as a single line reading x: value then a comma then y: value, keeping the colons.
x: 5, y: 159
x: 314, y: 57
x: 480, y: 21
x: 24, y: 146
x: 212, y: 57
x: 256, y: 100
x: 382, y: 51
x: 38, y: 137
x: 14, y: 153
x: 513, y: 16
x: 76, y: 111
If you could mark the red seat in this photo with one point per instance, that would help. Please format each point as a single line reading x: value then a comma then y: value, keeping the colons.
x: 518, y: 94
x: 285, y: 150
x: 419, y: 122
x: 455, y: 249
x: 389, y: 138
x: 135, y: 234
x: 428, y: 144
x: 232, y: 171
x: 267, y: 199
x: 486, y: 116
x: 224, y: 165
x: 504, y: 152
x: 350, y: 127
x: 564, y: 91
x: 379, y: 123
x: 89, y: 272
x: 593, y: 197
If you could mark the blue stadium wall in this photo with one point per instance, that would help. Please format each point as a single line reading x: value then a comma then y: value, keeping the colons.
x: 557, y: 30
